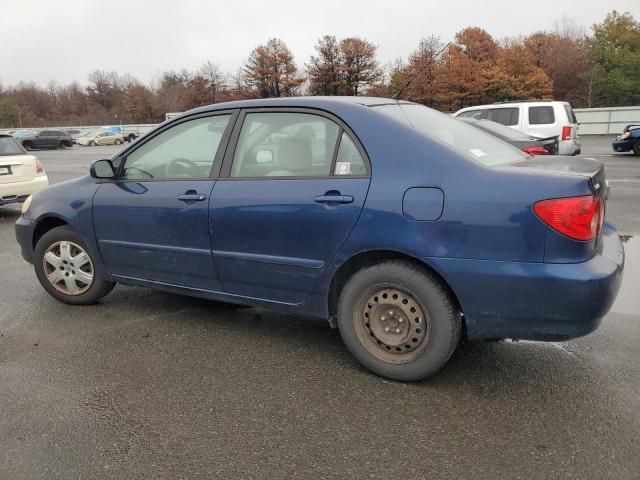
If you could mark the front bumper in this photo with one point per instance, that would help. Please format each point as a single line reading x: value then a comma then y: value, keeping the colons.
x: 625, y: 145
x: 24, y: 235
x: 536, y: 301
x: 19, y: 191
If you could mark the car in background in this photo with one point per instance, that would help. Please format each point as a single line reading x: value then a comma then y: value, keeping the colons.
x: 100, y: 137
x: 25, y: 132
x: 526, y: 143
x: 400, y: 225
x: 541, y: 119
x: 628, y: 140
x: 21, y: 174
x: 74, y: 133
x: 46, y: 139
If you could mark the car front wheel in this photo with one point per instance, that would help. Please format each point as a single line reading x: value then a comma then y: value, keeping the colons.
x: 66, y: 269
x: 636, y: 148
x: 398, y: 320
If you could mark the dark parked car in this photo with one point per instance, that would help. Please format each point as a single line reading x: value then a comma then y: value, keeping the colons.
x: 629, y: 140
x: 526, y: 143
x: 46, y: 139
x: 402, y: 226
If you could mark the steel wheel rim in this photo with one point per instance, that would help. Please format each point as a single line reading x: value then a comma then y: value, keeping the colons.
x: 68, y: 268
x: 392, y: 324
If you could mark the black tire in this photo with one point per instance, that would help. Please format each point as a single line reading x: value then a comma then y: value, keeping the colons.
x: 92, y: 143
x: 62, y: 145
x: 437, y: 323
x: 27, y: 146
x: 117, y: 141
x: 636, y: 148
x: 97, y: 289
x: 131, y: 138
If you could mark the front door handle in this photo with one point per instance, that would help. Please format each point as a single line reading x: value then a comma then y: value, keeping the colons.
x: 333, y: 199
x: 192, y: 197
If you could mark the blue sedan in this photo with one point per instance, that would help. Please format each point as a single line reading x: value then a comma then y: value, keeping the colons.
x: 403, y: 227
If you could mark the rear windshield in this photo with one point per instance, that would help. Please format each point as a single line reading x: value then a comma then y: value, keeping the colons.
x: 470, y: 141
x: 9, y: 146
x: 570, y: 115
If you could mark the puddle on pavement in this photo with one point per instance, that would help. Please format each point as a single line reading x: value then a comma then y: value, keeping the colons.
x: 628, y: 301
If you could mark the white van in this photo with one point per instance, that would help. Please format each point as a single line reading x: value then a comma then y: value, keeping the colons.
x: 539, y: 119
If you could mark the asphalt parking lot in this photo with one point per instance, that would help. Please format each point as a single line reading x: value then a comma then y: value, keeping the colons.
x: 149, y: 384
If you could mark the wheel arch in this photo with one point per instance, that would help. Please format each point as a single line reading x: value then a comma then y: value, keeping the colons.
x: 371, y: 257
x: 45, y: 225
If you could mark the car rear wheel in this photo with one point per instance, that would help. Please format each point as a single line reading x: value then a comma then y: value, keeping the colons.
x: 398, y: 321
x: 62, y: 145
x: 27, y: 146
x: 66, y: 269
x: 92, y: 143
x: 636, y: 148
x: 118, y: 142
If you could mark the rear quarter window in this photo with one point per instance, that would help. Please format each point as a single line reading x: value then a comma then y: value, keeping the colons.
x: 541, y: 115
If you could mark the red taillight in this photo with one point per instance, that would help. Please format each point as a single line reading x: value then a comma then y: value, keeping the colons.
x: 566, y: 133
x: 39, y: 168
x: 579, y: 218
x: 536, y: 150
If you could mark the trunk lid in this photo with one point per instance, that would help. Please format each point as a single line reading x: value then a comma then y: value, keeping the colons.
x: 589, y: 168
x: 17, y: 168
x: 574, y: 176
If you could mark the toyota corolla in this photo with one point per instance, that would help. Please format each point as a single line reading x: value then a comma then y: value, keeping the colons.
x: 403, y: 227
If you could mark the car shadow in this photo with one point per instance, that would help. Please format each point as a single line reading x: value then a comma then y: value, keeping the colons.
x: 9, y: 213
x: 482, y: 366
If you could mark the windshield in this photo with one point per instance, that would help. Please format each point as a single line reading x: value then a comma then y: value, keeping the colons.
x: 9, y: 146
x: 24, y: 133
x: 472, y: 142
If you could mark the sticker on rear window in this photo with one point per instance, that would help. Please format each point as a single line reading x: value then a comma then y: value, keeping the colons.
x: 477, y: 152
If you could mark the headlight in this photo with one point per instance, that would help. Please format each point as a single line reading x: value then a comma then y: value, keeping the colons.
x: 26, y: 204
x: 625, y: 135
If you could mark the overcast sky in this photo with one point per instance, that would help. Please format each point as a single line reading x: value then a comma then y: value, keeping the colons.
x: 42, y: 40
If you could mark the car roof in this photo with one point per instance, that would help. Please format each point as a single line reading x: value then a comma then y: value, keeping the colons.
x: 308, y: 101
x: 513, y: 103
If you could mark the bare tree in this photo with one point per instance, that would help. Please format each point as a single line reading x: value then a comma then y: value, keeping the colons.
x: 271, y: 71
x: 359, y: 68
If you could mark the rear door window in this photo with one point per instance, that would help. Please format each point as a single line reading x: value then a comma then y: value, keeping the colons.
x: 505, y: 116
x: 285, y: 144
x: 541, y: 115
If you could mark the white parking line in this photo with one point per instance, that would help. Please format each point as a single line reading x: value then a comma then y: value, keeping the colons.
x: 626, y: 180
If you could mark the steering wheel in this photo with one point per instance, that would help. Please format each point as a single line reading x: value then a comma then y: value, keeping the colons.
x: 182, y: 165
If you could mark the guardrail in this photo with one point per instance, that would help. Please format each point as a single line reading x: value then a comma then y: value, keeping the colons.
x: 606, y: 120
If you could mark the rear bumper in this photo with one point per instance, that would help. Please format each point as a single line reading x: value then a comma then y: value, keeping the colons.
x: 536, y: 301
x: 623, y: 145
x: 19, y: 191
x: 569, y: 147
x: 24, y: 235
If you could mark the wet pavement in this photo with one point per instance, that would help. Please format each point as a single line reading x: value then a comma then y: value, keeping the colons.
x: 148, y: 384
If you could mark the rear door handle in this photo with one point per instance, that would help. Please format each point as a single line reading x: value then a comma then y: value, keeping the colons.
x: 333, y: 199
x: 192, y: 197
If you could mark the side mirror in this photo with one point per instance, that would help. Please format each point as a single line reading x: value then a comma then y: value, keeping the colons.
x: 264, y: 156
x: 102, y: 169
